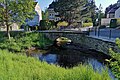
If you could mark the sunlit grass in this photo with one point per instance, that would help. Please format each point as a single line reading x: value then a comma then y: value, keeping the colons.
x: 19, y: 67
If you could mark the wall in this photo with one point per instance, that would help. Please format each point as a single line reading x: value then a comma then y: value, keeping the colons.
x: 38, y: 16
x: 117, y: 13
x: 52, y: 15
x: 92, y: 43
x: 13, y: 27
x: 105, y: 21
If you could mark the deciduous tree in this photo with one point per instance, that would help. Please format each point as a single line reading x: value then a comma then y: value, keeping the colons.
x: 15, y: 11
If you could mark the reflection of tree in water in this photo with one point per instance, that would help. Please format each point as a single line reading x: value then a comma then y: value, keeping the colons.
x: 69, y: 59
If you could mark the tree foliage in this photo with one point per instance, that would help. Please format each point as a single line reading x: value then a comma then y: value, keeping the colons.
x: 75, y: 11
x: 45, y: 14
x: 46, y: 24
x: 15, y: 11
x: 115, y: 64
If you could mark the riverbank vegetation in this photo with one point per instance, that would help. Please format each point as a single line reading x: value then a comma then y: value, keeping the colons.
x: 22, y: 41
x: 115, y: 65
x: 19, y: 67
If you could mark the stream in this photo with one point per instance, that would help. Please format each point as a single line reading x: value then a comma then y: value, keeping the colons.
x: 71, y: 57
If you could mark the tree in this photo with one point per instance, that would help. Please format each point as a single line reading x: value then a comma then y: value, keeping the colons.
x: 92, y: 11
x: 75, y: 12
x: 100, y: 14
x: 15, y: 11
x: 71, y: 11
x: 45, y: 14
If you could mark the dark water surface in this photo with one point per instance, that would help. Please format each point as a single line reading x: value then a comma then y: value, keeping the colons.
x: 69, y: 58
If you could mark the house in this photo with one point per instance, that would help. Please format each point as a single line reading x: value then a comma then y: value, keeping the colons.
x: 34, y: 22
x: 52, y: 14
x: 38, y: 16
x: 111, y: 12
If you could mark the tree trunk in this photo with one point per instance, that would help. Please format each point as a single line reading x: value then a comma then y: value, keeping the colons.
x: 8, y: 33
x: 7, y: 20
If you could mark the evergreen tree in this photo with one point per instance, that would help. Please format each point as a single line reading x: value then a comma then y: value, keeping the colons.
x: 75, y: 12
x: 45, y: 14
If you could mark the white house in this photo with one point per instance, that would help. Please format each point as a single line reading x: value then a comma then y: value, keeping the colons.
x: 112, y: 12
x: 52, y: 14
x: 36, y: 20
x: 117, y: 13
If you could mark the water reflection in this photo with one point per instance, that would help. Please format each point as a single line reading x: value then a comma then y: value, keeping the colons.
x: 49, y: 58
x: 71, y: 58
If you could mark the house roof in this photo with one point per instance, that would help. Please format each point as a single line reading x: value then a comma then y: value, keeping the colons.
x: 112, y: 10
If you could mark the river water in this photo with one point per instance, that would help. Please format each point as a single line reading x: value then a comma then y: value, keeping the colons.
x: 69, y: 58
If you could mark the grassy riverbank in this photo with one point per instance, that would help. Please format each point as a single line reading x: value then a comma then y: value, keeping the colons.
x: 19, y: 67
x: 22, y: 41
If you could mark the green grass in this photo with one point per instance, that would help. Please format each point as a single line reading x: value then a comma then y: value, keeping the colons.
x: 22, y: 41
x: 20, y: 67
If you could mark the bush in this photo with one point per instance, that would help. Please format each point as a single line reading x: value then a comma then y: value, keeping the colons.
x: 19, y: 67
x: 115, y: 64
x: 87, y: 24
x: 63, y: 23
x: 46, y: 24
x: 88, y: 20
x: 24, y: 41
x: 118, y: 22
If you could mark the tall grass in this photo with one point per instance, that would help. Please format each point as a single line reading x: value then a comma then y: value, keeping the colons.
x: 19, y: 67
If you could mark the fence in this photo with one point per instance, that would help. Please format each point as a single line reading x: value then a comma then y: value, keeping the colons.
x: 106, y: 32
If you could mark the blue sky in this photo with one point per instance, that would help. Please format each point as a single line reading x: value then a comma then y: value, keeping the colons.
x: 105, y: 3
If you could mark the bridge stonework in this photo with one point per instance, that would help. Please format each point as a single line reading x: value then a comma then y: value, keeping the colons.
x: 85, y: 40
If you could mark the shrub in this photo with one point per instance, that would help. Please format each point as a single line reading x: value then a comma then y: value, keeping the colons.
x: 87, y: 24
x: 46, y: 24
x: 88, y: 20
x: 19, y: 67
x: 115, y: 64
x: 23, y: 41
x: 118, y: 22
x: 63, y: 23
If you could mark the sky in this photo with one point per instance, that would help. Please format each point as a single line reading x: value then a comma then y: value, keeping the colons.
x: 105, y: 3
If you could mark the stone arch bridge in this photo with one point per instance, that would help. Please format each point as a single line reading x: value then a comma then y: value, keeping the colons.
x: 83, y: 38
